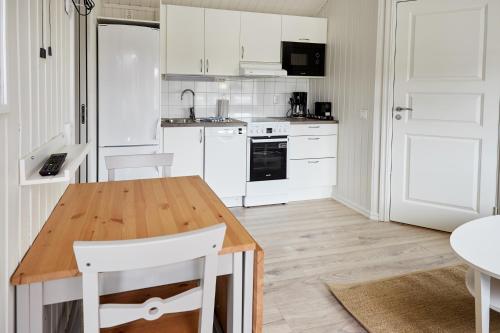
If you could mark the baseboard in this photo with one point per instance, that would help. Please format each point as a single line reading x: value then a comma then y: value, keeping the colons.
x: 312, y: 193
x: 354, y: 206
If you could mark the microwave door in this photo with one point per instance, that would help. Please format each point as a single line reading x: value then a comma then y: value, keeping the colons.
x: 303, y: 59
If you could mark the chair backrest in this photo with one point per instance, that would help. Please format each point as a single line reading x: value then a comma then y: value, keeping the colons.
x: 94, y: 257
x: 164, y: 160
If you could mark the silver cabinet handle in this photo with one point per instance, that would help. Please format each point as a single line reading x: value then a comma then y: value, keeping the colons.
x: 304, y: 39
x: 201, y: 135
x: 201, y: 65
x: 206, y: 66
x: 401, y: 108
x: 314, y: 126
x: 313, y: 139
x: 242, y: 52
x: 313, y: 162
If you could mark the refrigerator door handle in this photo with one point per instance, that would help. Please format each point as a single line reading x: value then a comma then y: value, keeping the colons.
x: 158, y: 126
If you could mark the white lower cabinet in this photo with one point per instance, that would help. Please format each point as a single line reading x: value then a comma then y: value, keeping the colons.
x: 313, y: 172
x: 320, y: 146
x: 187, y: 145
x: 313, y: 161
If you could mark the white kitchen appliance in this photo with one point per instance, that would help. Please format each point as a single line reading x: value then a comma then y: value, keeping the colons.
x: 225, y: 166
x: 129, y: 95
x: 267, y: 162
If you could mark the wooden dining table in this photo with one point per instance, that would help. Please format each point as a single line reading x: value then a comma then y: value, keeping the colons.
x: 122, y: 210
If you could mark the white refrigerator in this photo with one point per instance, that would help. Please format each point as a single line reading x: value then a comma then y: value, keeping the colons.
x: 128, y: 96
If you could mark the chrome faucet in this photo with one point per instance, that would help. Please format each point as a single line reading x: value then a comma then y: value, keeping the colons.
x: 192, y: 115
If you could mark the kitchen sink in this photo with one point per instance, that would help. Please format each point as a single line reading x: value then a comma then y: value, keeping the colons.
x: 180, y: 120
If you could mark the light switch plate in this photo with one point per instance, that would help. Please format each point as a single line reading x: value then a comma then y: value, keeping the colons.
x: 363, y: 114
x: 275, y: 99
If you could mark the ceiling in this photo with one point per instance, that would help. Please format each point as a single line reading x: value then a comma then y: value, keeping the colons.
x: 290, y: 7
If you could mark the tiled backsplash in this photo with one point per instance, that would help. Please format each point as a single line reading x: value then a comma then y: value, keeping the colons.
x: 247, y: 97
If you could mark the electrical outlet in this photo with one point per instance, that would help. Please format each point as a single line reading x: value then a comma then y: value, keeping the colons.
x: 128, y: 14
x: 275, y: 99
x: 363, y: 114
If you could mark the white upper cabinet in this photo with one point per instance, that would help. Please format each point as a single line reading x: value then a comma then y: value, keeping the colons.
x: 222, y: 36
x: 304, y: 29
x: 260, y: 37
x: 185, y: 40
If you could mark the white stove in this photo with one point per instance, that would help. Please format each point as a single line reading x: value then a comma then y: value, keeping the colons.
x: 267, y: 162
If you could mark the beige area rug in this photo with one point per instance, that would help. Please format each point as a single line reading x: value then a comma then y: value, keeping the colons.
x: 430, y: 301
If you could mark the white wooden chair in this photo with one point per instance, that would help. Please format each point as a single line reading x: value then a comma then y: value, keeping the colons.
x: 164, y: 160
x: 94, y: 257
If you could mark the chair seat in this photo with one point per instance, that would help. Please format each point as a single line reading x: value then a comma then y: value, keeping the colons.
x: 184, y: 322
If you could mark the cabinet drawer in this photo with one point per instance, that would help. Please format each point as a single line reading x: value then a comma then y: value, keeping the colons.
x: 313, y: 129
x: 313, y: 172
x: 321, y: 146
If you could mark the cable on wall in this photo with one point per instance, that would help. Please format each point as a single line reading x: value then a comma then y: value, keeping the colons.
x: 49, y: 49
x: 43, y: 51
x: 88, y: 5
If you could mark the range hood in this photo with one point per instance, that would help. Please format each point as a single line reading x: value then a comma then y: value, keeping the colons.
x: 261, y: 69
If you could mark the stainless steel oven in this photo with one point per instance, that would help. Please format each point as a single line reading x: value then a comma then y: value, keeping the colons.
x: 267, y: 158
x: 303, y: 59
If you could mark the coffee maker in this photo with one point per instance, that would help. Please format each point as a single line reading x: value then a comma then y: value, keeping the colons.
x: 298, y: 102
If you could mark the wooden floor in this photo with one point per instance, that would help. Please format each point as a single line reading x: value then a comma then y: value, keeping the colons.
x: 309, y: 244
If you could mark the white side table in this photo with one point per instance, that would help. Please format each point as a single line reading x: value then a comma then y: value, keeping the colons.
x: 478, y: 244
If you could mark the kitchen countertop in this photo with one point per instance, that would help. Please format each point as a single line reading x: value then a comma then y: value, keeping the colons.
x: 306, y: 120
x: 231, y: 123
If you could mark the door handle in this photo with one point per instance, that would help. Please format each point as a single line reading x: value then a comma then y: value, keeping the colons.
x: 206, y: 66
x: 201, y: 135
x: 242, y: 52
x: 313, y: 139
x: 201, y: 65
x: 402, y: 108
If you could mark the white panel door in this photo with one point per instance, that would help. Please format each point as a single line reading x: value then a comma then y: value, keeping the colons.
x: 129, y: 85
x: 186, y: 143
x: 303, y: 29
x: 222, y: 40
x: 260, y: 38
x: 185, y: 40
x: 444, y: 150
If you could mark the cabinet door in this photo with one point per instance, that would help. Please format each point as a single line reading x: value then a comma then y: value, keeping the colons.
x: 185, y: 40
x: 186, y: 143
x: 304, y: 29
x: 222, y: 35
x: 313, y: 173
x: 260, y: 38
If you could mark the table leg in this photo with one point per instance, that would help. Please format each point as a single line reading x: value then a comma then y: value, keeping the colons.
x: 235, y: 296
x: 482, y: 293
x: 29, y: 308
x: 248, y: 275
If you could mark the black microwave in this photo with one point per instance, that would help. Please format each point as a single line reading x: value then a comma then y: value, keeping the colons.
x: 303, y: 59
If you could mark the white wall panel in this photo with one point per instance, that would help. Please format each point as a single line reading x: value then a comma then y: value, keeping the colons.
x: 349, y: 84
x: 39, y: 103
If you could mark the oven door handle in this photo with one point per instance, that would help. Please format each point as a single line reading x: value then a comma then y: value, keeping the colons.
x: 268, y: 140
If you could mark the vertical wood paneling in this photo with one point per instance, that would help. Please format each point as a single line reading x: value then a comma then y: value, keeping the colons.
x: 349, y: 84
x: 38, y: 93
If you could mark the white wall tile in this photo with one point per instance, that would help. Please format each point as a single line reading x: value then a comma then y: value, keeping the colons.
x: 248, y: 97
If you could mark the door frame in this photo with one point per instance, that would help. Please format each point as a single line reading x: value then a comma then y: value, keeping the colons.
x: 382, y: 117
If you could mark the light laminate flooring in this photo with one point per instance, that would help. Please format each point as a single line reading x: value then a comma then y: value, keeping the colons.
x: 311, y: 243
